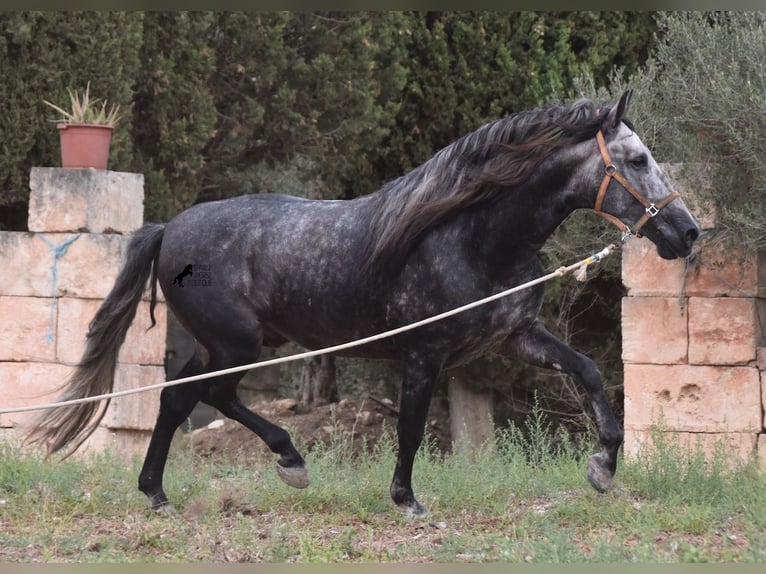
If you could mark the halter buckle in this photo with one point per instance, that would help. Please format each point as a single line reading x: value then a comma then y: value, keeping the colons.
x: 652, y: 210
x: 610, y: 169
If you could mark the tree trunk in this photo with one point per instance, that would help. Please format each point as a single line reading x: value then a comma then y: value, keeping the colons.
x: 318, y: 384
x: 470, y: 413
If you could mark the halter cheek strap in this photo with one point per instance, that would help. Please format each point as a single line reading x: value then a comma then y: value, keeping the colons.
x: 610, y: 172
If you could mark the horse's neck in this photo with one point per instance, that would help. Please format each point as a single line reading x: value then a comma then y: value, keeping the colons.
x: 518, y: 224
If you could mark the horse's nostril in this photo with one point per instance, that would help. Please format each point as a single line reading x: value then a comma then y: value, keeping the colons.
x: 692, y: 235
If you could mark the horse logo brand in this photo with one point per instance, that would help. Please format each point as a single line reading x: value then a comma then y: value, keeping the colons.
x: 200, y: 276
x: 179, y: 280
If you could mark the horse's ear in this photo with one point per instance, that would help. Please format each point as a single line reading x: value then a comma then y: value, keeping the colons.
x: 618, y: 112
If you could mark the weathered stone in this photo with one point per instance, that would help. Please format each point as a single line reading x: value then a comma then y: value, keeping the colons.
x: 126, y: 442
x: 27, y: 384
x: 715, y: 272
x: 25, y: 324
x: 283, y: 406
x: 96, y: 201
x: 722, y: 331
x: 25, y: 265
x: 723, y: 271
x: 137, y: 411
x: 763, y: 397
x: 90, y: 265
x: 646, y: 274
x: 693, y: 398
x: 87, y: 269
x: 654, y: 330
x: 762, y: 449
x: 142, y: 345
x: 760, y: 358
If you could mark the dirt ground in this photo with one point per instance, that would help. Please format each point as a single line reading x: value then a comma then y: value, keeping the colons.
x: 362, y: 422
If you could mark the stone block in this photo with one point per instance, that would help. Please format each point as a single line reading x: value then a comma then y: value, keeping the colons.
x: 27, y: 384
x: 646, y: 274
x: 739, y: 447
x: 137, y: 411
x: 654, y: 330
x: 26, y: 321
x: 25, y: 265
x: 141, y: 346
x: 96, y: 201
x: 693, y: 398
x: 87, y: 269
x: 722, y: 271
x: 90, y: 266
x: 723, y: 331
x: 126, y: 442
x: 762, y: 449
x: 717, y: 271
x: 760, y: 274
x: 763, y: 397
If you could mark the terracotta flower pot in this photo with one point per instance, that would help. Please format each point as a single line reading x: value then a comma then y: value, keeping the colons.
x: 85, y: 145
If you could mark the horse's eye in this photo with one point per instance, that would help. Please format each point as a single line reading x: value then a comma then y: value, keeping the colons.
x: 639, y: 161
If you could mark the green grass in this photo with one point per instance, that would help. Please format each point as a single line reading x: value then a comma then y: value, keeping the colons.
x: 527, y: 500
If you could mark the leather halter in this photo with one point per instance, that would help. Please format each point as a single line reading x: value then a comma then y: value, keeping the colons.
x: 610, y: 172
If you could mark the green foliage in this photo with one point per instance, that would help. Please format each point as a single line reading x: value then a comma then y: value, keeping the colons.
x: 175, y: 110
x: 321, y: 104
x: 297, y: 97
x: 42, y: 54
x: 467, y: 68
x: 713, y: 90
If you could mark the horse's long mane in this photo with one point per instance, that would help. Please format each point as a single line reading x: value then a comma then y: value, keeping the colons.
x: 475, y: 169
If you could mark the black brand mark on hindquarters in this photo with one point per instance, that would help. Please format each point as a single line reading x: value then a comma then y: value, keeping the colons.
x: 179, y: 280
x: 200, y: 276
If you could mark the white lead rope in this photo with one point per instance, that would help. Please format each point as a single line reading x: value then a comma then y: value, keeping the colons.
x: 308, y: 354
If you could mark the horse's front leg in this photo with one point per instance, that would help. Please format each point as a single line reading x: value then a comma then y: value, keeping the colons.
x: 536, y: 346
x: 417, y: 388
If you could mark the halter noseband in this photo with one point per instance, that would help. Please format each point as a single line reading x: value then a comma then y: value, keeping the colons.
x: 610, y: 171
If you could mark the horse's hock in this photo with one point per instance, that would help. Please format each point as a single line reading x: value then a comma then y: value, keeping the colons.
x: 53, y: 279
x: 694, y: 349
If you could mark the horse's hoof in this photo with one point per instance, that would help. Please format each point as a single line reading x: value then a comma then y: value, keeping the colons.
x: 414, y: 510
x: 164, y: 509
x: 599, y: 476
x: 159, y: 503
x: 295, y: 476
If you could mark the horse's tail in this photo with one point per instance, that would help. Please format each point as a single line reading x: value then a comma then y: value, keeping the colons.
x: 69, y: 426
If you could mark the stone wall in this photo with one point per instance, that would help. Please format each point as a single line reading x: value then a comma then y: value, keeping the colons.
x: 48, y: 297
x: 693, y: 348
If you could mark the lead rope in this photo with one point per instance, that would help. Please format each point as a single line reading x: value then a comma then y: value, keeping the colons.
x: 578, y: 268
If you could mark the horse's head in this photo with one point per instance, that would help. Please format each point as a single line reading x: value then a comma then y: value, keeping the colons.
x: 634, y: 193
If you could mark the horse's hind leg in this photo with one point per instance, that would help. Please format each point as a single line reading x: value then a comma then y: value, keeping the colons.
x: 537, y: 346
x: 235, y: 347
x: 176, y: 404
x: 223, y: 396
